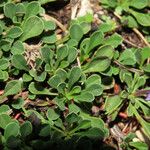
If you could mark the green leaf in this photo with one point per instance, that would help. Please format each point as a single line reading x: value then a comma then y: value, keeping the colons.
x: 95, y: 40
x: 36, y: 89
x: 95, y: 89
x: 9, y: 10
x: 26, y: 78
x: 95, y: 122
x: 62, y: 74
x: 106, y: 51
x: 5, y: 120
x: 20, y: 9
x: 13, y: 142
x: 26, y: 129
x: 84, y: 124
x: 98, y: 64
x: 38, y: 64
x: 127, y: 57
x: 75, y: 74
x: 46, y: 1
x: 84, y: 97
x: 145, y: 54
x: 17, y: 48
x: 110, y: 3
x: 72, y: 43
x: 40, y: 77
x: 4, y: 75
x: 45, y: 131
x: 73, y: 109
x: 87, y: 26
x: 144, y: 106
x: 4, y: 109
x: 126, y: 77
x: 19, y: 62
x: 75, y: 90
x: 5, y: 44
x: 146, y: 68
x: 139, y: 145
x: 93, y: 79
x: 12, y: 87
x: 138, y: 3
x: 92, y: 133
x: 50, y: 39
x: 76, y: 32
x: 129, y: 21
x: 4, y: 64
x: 62, y: 52
x: 47, y: 54
x: 32, y: 8
x: 145, y: 125
x: 49, y: 25
x: 140, y: 82
x: 60, y: 102
x: 115, y: 40
x: 64, y: 64
x: 84, y: 45
x: 51, y: 114
x: 72, y: 54
x: 12, y: 129
x: 107, y: 27
x: 18, y: 103
x: 72, y: 118
x: 32, y: 27
x: 14, y: 32
x: 54, y: 81
x: 112, y: 103
x: 142, y: 18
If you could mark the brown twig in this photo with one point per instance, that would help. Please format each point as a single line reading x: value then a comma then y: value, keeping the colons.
x: 130, y: 43
x: 141, y: 36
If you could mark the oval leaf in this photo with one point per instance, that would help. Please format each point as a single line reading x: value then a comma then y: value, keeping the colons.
x: 14, y: 32
x: 142, y: 18
x: 112, y: 103
x: 9, y: 10
x: 98, y: 64
x: 76, y: 32
x: 95, y: 40
x: 19, y: 62
x: 12, y: 87
x: 4, y: 63
x: 75, y: 74
x: 32, y: 27
x: 12, y: 129
x: 26, y: 129
x: 32, y: 8
x: 4, y: 120
x: 84, y: 97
